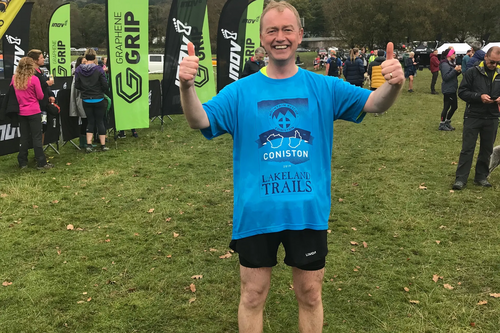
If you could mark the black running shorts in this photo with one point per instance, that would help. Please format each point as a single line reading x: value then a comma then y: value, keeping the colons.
x: 305, y: 249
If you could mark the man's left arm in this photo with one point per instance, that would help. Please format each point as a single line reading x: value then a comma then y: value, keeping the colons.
x: 383, y: 98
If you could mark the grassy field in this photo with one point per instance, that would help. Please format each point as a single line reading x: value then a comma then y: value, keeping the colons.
x: 155, y: 211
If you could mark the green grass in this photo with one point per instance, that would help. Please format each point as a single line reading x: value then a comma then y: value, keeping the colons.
x: 138, y: 281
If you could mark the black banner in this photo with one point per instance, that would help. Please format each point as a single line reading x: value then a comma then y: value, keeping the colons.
x: 185, y: 24
x: 230, y: 42
x: 16, y: 40
x: 69, y: 125
x: 10, y: 135
x: 154, y: 98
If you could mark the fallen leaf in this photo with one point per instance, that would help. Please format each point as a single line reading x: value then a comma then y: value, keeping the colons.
x: 414, y: 302
x: 70, y: 227
x: 68, y: 163
x: 136, y: 234
x: 482, y: 302
x: 176, y: 235
x: 59, y: 252
x: 191, y: 300
x: 354, y: 243
x: 213, y: 250
x: 159, y: 232
x: 497, y: 295
x: 169, y: 256
x: 108, y: 240
x: 454, y: 163
x: 354, y: 229
x: 447, y: 286
x: 89, y: 299
x: 442, y: 227
x: 168, y: 219
x: 3, y: 195
x: 329, y: 231
x: 84, y: 293
x: 197, y: 277
x: 406, y: 289
x: 35, y: 206
x: 131, y: 290
x: 353, y: 250
x: 365, y: 245
x: 355, y: 184
x: 151, y: 210
x: 435, y: 278
x: 80, y: 302
x: 225, y: 256
x: 341, y: 200
x: 79, y: 229
x: 438, y: 242
x: 192, y: 287
x: 291, y: 287
x: 451, y: 191
x: 55, y: 201
x: 5, y: 283
x: 370, y: 295
x: 356, y: 270
x: 422, y: 187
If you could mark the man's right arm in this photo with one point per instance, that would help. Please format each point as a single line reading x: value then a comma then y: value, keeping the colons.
x: 191, y: 105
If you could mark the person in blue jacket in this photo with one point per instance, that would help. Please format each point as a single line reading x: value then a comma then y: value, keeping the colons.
x: 354, y: 70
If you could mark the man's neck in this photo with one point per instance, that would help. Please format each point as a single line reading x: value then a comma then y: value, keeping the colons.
x: 276, y: 70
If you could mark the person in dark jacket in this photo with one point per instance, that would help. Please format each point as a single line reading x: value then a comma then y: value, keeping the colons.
x: 333, y: 65
x: 255, y: 63
x: 434, y: 66
x: 410, y: 69
x: 48, y: 94
x: 91, y: 80
x: 477, y: 57
x: 465, y: 60
x: 480, y: 89
x: 354, y: 69
x: 449, y: 73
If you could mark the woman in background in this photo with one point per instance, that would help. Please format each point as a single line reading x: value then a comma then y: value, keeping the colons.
x: 28, y: 93
x: 449, y: 72
x: 410, y: 70
x: 354, y: 70
x: 76, y: 105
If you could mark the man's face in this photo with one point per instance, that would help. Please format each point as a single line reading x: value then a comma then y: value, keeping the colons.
x: 435, y: 52
x: 492, y: 60
x: 259, y: 56
x: 41, y: 60
x: 281, y: 35
x: 332, y: 55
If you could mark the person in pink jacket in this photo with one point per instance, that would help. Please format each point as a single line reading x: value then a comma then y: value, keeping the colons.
x: 28, y: 92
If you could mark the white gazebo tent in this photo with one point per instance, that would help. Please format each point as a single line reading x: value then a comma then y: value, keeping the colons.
x: 460, y: 48
x: 490, y: 45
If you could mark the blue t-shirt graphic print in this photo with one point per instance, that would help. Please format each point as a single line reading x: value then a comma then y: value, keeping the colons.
x: 282, y: 143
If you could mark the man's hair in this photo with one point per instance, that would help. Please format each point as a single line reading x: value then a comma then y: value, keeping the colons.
x: 90, y: 57
x: 260, y: 50
x: 280, y: 6
x: 333, y: 52
x: 380, y: 53
x: 34, y: 54
x: 493, y: 49
x: 476, y: 46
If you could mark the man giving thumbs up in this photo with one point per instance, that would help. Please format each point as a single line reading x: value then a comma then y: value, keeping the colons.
x: 281, y: 120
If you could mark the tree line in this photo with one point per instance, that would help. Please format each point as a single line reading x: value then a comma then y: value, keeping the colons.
x: 369, y: 23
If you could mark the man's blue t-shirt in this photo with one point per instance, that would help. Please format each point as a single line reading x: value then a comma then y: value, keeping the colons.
x: 282, y: 133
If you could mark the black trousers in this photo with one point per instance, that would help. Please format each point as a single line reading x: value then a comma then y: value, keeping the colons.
x: 450, y: 105
x: 434, y: 80
x: 95, y: 117
x: 31, y: 129
x: 487, y: 130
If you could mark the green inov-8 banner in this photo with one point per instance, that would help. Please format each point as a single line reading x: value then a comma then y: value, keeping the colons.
x: 60, y: 41
x: 252, y: 31
x: 128, y: 62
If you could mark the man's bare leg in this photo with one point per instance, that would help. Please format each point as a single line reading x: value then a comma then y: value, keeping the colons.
x: 307, y: 286
x: 255, y: 284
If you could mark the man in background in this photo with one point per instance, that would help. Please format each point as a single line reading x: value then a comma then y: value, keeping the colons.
x: 255, y: 63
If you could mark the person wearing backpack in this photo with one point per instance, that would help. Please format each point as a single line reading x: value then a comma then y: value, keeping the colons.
x: 333, y: 65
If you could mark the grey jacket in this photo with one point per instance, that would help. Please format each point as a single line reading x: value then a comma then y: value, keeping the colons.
x: 76, y: 103
x: 450, y: 78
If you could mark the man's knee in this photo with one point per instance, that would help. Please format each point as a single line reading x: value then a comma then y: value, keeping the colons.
x: 254, y: 296
x: 309, y: 296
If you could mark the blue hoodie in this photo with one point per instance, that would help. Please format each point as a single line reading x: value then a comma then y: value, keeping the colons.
x: 477, y: 57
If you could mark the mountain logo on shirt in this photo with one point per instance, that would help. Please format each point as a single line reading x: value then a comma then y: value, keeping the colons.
x: 285, y: 141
